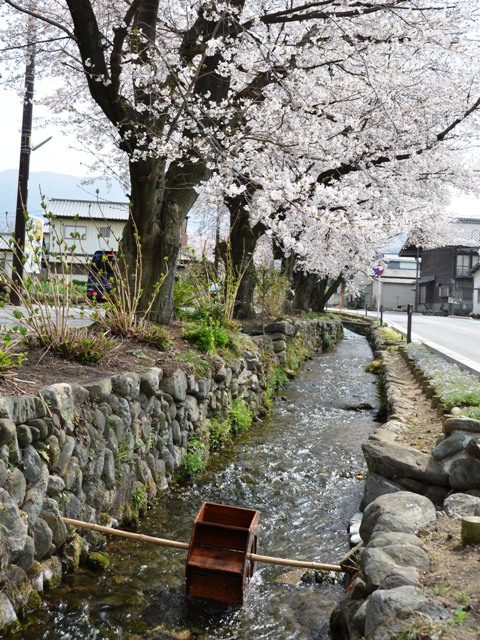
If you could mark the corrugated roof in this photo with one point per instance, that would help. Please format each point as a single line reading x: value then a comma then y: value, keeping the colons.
x: 88, y: 209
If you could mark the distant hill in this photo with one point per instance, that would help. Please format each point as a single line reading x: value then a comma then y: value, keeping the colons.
x: 53, y: 185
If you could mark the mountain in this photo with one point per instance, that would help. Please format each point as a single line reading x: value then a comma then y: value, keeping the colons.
x: 54, y: 185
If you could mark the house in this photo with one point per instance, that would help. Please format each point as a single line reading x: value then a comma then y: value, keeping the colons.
x: 396, y: 285
x: 78, y: 228
x: 445, y: 283
x: 476, y: 289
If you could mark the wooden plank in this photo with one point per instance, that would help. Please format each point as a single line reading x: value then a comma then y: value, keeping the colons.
x: 220, y: 535
x: 214, y: 559
x: 227, y: 515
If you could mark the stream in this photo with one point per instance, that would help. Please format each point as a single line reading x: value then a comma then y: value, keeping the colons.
x: 299, y: 468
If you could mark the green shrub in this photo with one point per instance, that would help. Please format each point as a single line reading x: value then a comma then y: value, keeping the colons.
x: 373, y: 367
x: 195, y: 459
x: 10, y: 354
x: 219, y: 433
x: 240, y: 416
x: 82, y: 345
x: 207, y: 335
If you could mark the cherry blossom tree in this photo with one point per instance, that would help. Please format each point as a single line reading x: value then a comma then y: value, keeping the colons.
x: 303, y: 113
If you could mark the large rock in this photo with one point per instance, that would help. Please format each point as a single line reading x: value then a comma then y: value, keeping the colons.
x: 376, y: 486
x: 461, y: 504
x: 465, y: 474
x: 8, y: 617
x: 461, y: 423
x: 175, y: 385
x: 390, y: 612
x: 8, y: 430
x: 60, y: 400
x: 395, y: 461
x: 403, y: 511
x: 13, y: 524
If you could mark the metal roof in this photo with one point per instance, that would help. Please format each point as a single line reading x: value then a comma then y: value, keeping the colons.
x: 88, y: 209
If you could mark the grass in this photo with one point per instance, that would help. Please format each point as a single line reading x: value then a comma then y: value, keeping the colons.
x: 455, y: 387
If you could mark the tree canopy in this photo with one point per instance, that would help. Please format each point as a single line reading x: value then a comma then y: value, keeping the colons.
x: 330, y: 125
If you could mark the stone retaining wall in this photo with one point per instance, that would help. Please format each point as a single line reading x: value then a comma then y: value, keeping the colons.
x: 99, y: 452
x: 405, y: 490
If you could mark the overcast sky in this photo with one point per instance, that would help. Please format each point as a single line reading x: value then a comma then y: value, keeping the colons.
x: 56, y: 155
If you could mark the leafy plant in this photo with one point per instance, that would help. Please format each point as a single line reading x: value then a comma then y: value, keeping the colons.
x: 82, y: 345
x: 10, y: 354
x: 373, y: 367
x: 240, y: 416
x: 195, y: 459
x: 207, y: 335
x: 219, y: 433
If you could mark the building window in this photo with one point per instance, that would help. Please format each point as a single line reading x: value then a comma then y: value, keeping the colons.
x: 465, y: 262
x: 75, y: 232
x: 443, y: 292
x: 104, y: 232
x: 423, y: 295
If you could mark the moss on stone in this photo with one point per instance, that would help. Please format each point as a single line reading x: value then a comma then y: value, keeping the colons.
x: 34, y: 600
x: 98, y: 561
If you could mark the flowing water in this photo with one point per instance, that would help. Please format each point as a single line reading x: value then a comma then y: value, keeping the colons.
x: 298, y: 468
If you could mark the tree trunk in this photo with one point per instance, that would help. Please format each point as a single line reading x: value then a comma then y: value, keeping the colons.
x: 243, y: 241
x: 312, y: 292
x: 160, y: 203
x: 322, y: 293
x: 303, y: 285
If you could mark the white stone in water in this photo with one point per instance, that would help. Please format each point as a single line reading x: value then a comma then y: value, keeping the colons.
x: 355, y: 539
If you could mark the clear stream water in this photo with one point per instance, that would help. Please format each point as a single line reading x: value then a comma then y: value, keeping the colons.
x: 298, y: 469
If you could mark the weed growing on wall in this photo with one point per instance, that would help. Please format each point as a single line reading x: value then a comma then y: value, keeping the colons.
x: 195, y: 459
x: 240, y: 416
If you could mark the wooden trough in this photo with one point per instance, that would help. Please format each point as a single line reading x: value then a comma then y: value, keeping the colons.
x: 222, y: 551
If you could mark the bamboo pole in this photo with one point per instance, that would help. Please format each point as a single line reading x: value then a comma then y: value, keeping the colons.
x: 183, y: 545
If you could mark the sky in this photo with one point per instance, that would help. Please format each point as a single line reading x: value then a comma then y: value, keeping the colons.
x: 55, y: 156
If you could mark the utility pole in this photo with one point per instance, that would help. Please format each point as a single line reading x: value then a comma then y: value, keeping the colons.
x: 23, y: 170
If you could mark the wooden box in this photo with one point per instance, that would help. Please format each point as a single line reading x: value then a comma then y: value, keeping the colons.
x: 218, y: 567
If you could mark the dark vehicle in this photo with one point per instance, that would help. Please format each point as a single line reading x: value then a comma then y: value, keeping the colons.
x: 100, y: 275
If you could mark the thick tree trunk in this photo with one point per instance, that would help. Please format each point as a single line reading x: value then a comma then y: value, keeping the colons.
x: 243, y: 241
x: 312, y: 292
x: 160, y: 203
x: 322, y: 293
x: 303, y: 285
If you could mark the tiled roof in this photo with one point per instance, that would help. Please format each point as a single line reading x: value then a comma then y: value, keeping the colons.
x: 88, y: 209
x: 467, y: 232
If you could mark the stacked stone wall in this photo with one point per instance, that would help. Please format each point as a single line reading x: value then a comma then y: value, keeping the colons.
x: 101, y: 451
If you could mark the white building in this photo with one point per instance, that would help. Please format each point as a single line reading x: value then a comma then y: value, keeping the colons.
x: 78, y: 228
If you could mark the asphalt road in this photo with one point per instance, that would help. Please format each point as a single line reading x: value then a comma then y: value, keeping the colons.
x: 78, y: 316
x: 455, y: 337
